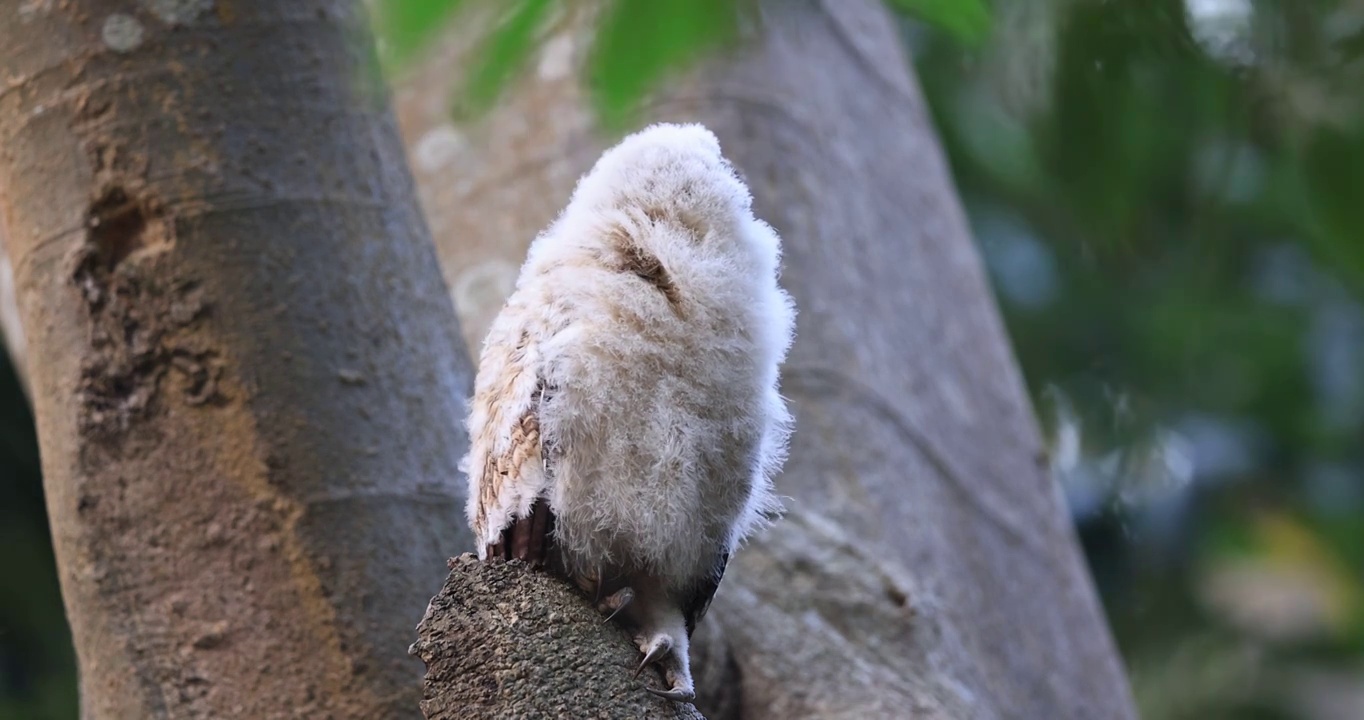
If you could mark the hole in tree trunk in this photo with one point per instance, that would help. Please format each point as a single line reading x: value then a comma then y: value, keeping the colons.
x: 117, y: 224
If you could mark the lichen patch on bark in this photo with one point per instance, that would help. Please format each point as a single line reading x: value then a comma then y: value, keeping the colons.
x: 122, y: 32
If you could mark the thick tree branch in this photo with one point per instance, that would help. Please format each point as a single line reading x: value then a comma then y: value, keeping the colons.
x: 504, y: 641
x: 824, y: 628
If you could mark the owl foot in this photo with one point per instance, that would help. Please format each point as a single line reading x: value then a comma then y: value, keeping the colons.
x: 661, y: 650
x: 615, y: 602
x: 678, y: 676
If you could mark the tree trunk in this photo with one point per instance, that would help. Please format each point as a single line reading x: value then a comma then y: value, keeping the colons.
x: 928, y: 568
x: 247, y: 375
x: 11, y: 325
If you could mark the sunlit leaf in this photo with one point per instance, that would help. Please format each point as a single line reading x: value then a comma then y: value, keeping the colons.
x: 404, y: 26
x: 503, y: 53
x: 1332, y: 172
x: 640, y: 41
x: 1290, y: 553
x: 968, y: 20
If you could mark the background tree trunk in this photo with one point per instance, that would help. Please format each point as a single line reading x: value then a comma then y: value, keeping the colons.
x: 247, y: 377
x: 11, y: 325
x: 928, y: 567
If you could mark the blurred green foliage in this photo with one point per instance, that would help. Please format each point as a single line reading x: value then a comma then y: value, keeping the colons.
x: 637, y: 43
x: 504, y: 50
x: 640, y: 41
x: 967, y: 20
x: 405, y: 28
x: 1170, y: 197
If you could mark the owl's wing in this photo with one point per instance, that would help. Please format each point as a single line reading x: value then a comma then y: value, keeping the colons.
x: 697, y: 602
x: 507, y: 463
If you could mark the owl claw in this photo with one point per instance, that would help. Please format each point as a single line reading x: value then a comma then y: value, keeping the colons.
x: 658, y: 649
x: 675, y: 694
x: 670, y: 656
x: 615, y: 602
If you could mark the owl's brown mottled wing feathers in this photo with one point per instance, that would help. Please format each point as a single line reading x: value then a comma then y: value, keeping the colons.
x: 524, y: 538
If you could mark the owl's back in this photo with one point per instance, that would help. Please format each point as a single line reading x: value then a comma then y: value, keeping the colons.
x: 650, y: 314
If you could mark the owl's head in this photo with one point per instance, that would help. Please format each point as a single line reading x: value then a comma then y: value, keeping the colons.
x: 669, y: 173
x: 665, y: 206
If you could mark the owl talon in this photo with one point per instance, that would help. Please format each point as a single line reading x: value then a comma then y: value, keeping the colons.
x: 658, y: 649
x: 615, y: 602
x: 669, y: 653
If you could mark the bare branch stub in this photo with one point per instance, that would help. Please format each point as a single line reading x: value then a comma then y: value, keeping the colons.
x: 502, y: 640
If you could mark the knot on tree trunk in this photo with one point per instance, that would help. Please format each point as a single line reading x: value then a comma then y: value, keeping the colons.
x: 502, y: 640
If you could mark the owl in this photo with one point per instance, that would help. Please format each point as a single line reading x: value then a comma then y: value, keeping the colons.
x: 626, y: 422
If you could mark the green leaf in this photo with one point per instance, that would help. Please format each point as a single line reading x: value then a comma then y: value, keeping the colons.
x: 967, y: 20
x: 406, y: 25
x: 1331, y: 167
x: 640, y: 41
x: 503, y: 52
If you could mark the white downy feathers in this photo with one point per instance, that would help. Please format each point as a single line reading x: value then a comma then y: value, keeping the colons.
x: 632, y: 376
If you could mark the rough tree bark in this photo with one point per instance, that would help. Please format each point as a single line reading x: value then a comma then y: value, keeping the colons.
x: 928, y: 568
x: 567, y: 663
x: 246, y: 372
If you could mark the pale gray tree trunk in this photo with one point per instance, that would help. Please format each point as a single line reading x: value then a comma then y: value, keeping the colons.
x: 246, y: 372
x: 928, y: 568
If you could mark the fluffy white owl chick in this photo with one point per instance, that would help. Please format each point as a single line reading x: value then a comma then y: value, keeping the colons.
x: 626, y: 423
